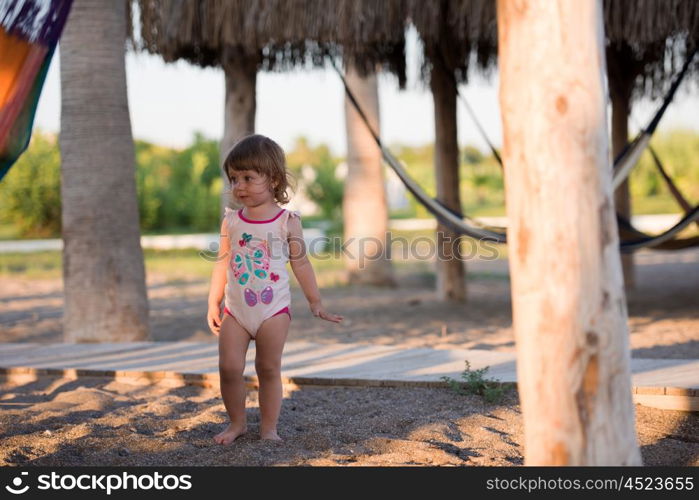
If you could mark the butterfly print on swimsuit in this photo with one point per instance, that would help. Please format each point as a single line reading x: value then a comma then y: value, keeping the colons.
x: 251, y: 263
x: 246, y: 239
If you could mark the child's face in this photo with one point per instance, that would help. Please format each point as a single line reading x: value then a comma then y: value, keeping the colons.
x: 250, y: 187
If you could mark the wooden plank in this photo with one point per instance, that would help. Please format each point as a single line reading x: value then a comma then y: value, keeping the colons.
x: 306, y: 361
x: 665, y: 398
x: 665, y: 402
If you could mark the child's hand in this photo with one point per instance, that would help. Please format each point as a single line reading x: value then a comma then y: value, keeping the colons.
x: 319, y: 312
x: 213, y: 317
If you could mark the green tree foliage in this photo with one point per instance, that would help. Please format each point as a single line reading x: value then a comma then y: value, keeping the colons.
x: 472, y: 155
x: 418, y: 161
x: 481, y: 187
x: 179, y: 190
x: 482, y: 184
x: 30, y: 193
x: 326, y: 189
x: 679, y: 152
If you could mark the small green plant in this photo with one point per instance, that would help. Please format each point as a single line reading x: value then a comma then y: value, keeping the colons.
x: 474, y: 382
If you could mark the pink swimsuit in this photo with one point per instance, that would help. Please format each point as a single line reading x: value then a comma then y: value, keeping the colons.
x: 257, y: 285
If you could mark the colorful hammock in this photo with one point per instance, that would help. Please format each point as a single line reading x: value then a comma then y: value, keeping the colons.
x: 29, y: 32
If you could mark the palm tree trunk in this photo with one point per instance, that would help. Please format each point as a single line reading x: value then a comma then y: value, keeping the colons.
x: 364, y: 206
x: 569, y: 309
x: 451, y: 270
x: 103, y: 269
x: 239, y: 118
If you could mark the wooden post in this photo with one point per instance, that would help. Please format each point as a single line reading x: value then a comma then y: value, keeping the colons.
x: 241, y: 104
x: 621, y: 73
x: 451, y: 270
x: 364, y: 205
x: 569, y: 312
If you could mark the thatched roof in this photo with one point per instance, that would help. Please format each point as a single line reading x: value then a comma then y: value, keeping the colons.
x: 652, y: 39
x: 456, y: 32
x: 654, y: 34
x: 647, y: 22
x: 280, y: 33
x: 369, y: 33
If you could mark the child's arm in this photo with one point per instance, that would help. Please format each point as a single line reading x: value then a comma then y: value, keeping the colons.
x: 218, y: 281
x: 304, y: 271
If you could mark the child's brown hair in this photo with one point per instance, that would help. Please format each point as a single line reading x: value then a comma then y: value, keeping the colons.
x: 264, y: 156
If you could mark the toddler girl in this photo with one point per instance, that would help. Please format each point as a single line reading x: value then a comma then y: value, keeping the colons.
x: 250, y: 275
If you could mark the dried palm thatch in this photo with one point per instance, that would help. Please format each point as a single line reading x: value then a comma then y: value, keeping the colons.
x: 651, y: 39
x: 281, y: 34
x: 456, y: 33
x: 643, y: 22
x: 655, y: 34
x: 371, y: 33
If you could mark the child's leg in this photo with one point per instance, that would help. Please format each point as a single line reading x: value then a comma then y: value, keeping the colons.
x: 233, y: 341
x: 269, y: 344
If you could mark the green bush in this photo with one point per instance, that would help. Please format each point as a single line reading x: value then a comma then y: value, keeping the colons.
x: 177, y: 190
x: 474, y: 382
x: 180, y: 190
x: 326, y: 190
x: 679, y: 152
x: 30, y: 193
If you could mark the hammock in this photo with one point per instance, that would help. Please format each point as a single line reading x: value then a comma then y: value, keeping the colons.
x: 633, y: 239
x: 29, y: 31
x: 632, y: 152
x: 444, y: 214
x: 469, y: 227
x: 663, y: 241
x: 630, y: 155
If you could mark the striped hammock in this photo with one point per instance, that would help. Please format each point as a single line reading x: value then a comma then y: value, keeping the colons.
x: 29, y: 32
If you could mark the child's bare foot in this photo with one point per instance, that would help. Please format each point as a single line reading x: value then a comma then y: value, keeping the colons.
x: 271, y: 435
x: 232, y: 432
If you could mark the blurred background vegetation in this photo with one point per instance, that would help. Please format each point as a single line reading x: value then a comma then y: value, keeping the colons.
x: 178, y: 189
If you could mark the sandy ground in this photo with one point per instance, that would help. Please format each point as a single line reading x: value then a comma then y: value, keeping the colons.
x: 663, y: 310
x: 102, y: 422
x: 97, y: 421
